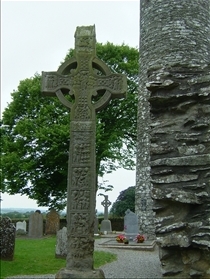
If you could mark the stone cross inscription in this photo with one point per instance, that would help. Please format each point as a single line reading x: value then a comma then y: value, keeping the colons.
x: 106, y: 203
x: 85, y: 85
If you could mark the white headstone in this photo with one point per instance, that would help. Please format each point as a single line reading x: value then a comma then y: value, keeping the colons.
x: 21, y: 226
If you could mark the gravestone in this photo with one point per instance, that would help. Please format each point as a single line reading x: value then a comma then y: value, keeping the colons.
x: 106, y: 225
x: 21, y: 228
x: 61, y: 244
x: 35, y: 225
x: 131, y: 227
x: 7, y: 239
x: 96, y: 224
x: 52, y: 222
x: 89, y: 85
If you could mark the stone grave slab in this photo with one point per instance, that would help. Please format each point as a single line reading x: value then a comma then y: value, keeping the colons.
x: 145, y: 246
x: 131, y: 228
x: 61, y: 243
x: 52, y: 222
x: 21, y: 228
x: 35, y: 225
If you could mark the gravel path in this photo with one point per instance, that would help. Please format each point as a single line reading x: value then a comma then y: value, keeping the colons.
x: 129, y: 264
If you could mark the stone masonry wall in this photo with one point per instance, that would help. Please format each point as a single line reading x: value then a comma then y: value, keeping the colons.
x: 175, y: 80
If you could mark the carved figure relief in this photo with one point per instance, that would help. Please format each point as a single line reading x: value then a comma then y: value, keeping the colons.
x: 80, y: 199
x: 51, y: 81
x: 82, y: 147
x: 81, y: 153
x: 81, y: 178
x: 81, y: 247
x: 85, y: 44
x: 79, y: 224
x: 81, y: 126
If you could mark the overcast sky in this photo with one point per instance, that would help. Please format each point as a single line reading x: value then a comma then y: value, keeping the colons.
x: 35, y: 37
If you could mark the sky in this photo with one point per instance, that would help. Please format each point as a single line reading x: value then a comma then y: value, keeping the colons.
x: 36, y: 36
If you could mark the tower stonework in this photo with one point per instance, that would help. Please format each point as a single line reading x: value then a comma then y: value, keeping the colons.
x: 173, y: 149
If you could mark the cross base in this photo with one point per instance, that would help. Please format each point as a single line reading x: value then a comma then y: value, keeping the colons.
x: 106, y: 226
x: 77, y: 274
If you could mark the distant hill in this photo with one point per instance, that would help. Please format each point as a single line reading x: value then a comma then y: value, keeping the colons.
x: 24, y: 210
x: 21, y: 210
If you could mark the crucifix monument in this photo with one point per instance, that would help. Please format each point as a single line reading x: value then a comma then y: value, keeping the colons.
x: 106, y: 225
x: 85, y: 85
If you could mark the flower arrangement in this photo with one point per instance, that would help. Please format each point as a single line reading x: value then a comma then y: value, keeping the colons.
x: 126, y: 241
x: 140, y: 238
x: 120, y: 238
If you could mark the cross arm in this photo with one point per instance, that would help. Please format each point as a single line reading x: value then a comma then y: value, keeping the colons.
x: 52, y: 82
x: 115, y: 86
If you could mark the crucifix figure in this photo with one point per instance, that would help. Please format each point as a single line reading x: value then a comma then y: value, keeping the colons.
x: 85, y: 85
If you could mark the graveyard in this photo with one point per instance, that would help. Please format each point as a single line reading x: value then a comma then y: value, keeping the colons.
x: 34, y: 243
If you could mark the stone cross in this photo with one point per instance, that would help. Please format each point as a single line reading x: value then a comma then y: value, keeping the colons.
x: 106, y: 203
x: 85, y: 85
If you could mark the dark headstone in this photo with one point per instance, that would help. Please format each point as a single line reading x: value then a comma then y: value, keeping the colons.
x: 35, y: 225
x: 130, y: 224
x: 7, y: 239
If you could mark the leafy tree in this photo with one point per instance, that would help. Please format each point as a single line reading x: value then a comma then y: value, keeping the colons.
x: 125, y: 200
x: 35, y: 133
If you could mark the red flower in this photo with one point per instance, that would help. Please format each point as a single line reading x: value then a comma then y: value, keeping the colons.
x: 120, y: 237
x: 140, y: 238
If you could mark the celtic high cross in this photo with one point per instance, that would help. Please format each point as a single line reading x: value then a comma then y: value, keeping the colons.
x: 85, y: 85
x: 106, y: 203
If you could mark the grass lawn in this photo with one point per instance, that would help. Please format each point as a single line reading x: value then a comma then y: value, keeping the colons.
x: 37, y: 256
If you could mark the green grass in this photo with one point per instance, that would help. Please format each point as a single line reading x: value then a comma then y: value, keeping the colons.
x: 37, y: 256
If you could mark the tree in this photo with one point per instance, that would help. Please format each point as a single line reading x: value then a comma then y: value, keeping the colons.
x: 125, y: 200
x: 35, y: 134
